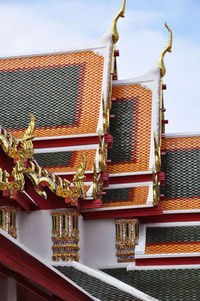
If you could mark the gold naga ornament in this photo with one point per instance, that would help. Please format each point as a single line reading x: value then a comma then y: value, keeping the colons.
x: 56, y: 184
x: 13, y: 147
x: 18, y: 175
x: 23, y: 152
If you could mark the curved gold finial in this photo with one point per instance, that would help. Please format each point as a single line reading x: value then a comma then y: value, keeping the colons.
x: 114, y: 31
x: 168, y: 48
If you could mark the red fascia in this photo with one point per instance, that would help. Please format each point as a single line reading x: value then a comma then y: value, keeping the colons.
x: 62, y: 142
x: 167, y: 261
x: 84, y: 205
x: 130, y: 179
x: 176, y: 217
x: 16, y: 259
x: 122, y: 213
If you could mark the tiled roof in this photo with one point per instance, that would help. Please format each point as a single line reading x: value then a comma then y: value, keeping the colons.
x: 62, y: 91
x: 97, y: 288
x: 164, y: 285
x: 126, y: 196
x: 131, y: 129
x: 165, y: 240
x: 182, y: 174
x: 65, y: 161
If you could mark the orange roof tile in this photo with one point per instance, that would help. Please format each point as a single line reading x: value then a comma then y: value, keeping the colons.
x: 172, y: 247
x: 181, y: 143
x: 136, y: 196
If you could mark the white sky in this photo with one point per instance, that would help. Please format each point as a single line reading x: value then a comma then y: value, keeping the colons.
x: 46, y: 25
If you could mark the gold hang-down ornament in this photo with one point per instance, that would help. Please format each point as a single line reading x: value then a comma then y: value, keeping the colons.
x: 157, y: 153
x: 168, y: 48
x: 114, y: 30
x: 106, y: 116
x: 156, y: 188
x: 103, y: 154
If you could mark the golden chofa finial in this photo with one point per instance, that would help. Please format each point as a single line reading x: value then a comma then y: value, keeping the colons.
x: 168, y: 48
x: 114, y: 31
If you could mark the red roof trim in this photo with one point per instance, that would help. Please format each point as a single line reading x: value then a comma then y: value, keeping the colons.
x: 167, y: 261
x: 122, y: 213
x: 16, y: 259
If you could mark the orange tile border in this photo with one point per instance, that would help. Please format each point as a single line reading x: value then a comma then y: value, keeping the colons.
x: 140, y: 195
x: 180, y: 203
x: 181, y: 143
x: 172, y: 247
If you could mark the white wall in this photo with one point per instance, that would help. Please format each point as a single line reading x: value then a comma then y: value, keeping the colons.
x: 34, y: 231
x: 99, y: 249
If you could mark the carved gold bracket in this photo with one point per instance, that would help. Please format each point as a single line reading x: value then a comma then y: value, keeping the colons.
x: 168, y: 48
x: 41, y: 177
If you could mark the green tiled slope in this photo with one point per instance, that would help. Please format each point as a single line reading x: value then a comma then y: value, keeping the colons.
x: 53, y: 159
x: 182, y: 173
x: 172, y: 234
x: 164, y: 285
x: 96, y: 287
x: 50, y: 94
x: 122, y: 128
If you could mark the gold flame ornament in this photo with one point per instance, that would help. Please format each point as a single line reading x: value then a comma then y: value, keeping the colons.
x: 168, y: 48
x: 114, y: 30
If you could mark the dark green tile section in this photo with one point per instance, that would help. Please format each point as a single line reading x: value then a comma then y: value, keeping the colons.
x: 164, y: 285
x: 49, y: 94
x: 121, y: 128
x: 53, y: 159
x: 172, y: 234
x: 116, y: 195
x: 182, y: 173
x: 96, y: 287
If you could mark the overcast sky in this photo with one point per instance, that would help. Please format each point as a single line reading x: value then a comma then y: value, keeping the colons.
x: 42, y: 26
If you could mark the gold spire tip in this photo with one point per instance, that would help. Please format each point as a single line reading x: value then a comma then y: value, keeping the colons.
x: 121, y: 14
x: 168, y: 48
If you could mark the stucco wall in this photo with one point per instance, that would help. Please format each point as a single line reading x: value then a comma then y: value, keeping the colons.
x: 99, y: 248
x: 34, y: 231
